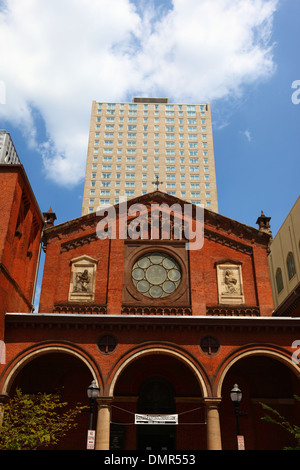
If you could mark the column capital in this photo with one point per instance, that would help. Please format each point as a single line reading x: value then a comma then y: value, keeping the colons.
x: 104, y: 401
x: 212, y: 402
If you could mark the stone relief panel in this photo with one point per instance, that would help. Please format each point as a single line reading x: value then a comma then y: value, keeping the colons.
x: 230, y: 284
x: 82, y: 284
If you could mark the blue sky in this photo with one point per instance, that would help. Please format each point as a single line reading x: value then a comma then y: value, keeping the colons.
x: 242, y: 56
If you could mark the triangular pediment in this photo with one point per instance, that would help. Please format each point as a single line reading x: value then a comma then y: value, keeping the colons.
x: 216, y: 227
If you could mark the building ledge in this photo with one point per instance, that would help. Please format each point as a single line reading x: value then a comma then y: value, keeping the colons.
x: 105, y: 321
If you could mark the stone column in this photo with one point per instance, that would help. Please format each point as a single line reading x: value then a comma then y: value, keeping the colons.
x: 103, y: 423
x: 214, y: 441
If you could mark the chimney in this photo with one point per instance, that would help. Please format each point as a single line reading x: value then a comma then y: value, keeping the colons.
x: 263, y: 223
x: 49, y: 218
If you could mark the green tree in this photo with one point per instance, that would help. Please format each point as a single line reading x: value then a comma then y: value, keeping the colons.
x: 33, y: 421
x: 275, y: 417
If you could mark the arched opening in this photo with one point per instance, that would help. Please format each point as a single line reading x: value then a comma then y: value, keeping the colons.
x: 62, y: 373
x: 291, y: 267
x: 156, y: 396
x: 279, y: 280
x: 262, y: 379
x: 158, y: 384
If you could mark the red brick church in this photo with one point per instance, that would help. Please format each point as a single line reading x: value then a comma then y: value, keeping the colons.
x: 164, y: 332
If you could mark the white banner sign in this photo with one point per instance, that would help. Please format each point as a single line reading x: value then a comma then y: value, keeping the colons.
x: 90, y: 445
x: 156, y: 419
x: 241, y: 442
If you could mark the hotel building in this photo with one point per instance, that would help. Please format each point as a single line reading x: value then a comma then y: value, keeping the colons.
x: 133, y: 145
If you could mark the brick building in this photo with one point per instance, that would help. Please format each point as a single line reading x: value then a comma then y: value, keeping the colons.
x: 161, y: 329
x: 21, y: 226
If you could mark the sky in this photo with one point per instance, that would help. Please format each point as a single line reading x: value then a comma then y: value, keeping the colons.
x: 241, y: 56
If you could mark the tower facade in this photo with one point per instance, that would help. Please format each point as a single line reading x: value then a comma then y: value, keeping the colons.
x: 21, y: 226
x: 8, y: 153
x: 135, y: 147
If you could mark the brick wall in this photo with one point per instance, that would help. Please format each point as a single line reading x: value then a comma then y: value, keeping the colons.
x: 222, y: 244
x: 20, y: 233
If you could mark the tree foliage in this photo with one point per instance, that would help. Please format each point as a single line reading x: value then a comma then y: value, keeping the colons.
x: 33, y: 421
x: 275, y: 417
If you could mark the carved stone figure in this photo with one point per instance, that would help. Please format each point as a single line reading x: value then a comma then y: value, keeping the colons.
x: 82, y: 279
x: 82, y: 282
x: 230, y: 282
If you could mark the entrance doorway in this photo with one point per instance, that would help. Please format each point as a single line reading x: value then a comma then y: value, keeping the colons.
x: 159, y: 384
x: 156, y: 438
x: 156, y: 396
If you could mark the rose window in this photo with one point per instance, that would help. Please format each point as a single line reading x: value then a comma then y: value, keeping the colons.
x: 156, y: 275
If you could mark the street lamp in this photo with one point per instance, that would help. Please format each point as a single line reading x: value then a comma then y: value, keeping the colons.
x: 236, y: 396
x: 92, y: 393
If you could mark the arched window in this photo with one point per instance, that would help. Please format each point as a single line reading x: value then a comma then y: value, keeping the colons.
x: 279, y: 280
x: 290, y: 265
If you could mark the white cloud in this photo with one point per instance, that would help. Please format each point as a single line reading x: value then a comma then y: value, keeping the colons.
x: 248, y: 136
x: 59, y: 55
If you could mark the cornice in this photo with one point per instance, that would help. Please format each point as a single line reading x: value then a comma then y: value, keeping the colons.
x: 79, y: 241
x: 111, y: 322
x: 227, y: 241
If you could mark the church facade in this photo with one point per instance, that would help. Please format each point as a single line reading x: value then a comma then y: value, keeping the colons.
x: 164, y: 331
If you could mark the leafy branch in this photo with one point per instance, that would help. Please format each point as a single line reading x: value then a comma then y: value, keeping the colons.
x: 33, y: 421
x: 275, y: 417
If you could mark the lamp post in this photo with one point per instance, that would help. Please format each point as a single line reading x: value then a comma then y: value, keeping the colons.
x: 236, y: 396
x: 92, y: 393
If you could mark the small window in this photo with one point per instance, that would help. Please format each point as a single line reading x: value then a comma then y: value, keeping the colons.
x: 107, y: 344
x: 209, y: 345
x: 290, y: 262
x: 279, y: 280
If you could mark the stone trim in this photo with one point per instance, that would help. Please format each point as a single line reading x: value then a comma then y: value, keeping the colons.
x: 233, y: 311
x: 226, y: 241
x: 74, y: 308
x: 77, y: 242
x: 155, y: 310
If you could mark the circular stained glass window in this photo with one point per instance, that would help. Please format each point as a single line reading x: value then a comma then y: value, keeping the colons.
x: 156, y: 275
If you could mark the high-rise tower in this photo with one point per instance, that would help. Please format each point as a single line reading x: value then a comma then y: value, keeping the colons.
x: 8, y: 153
x: 131, y: 145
